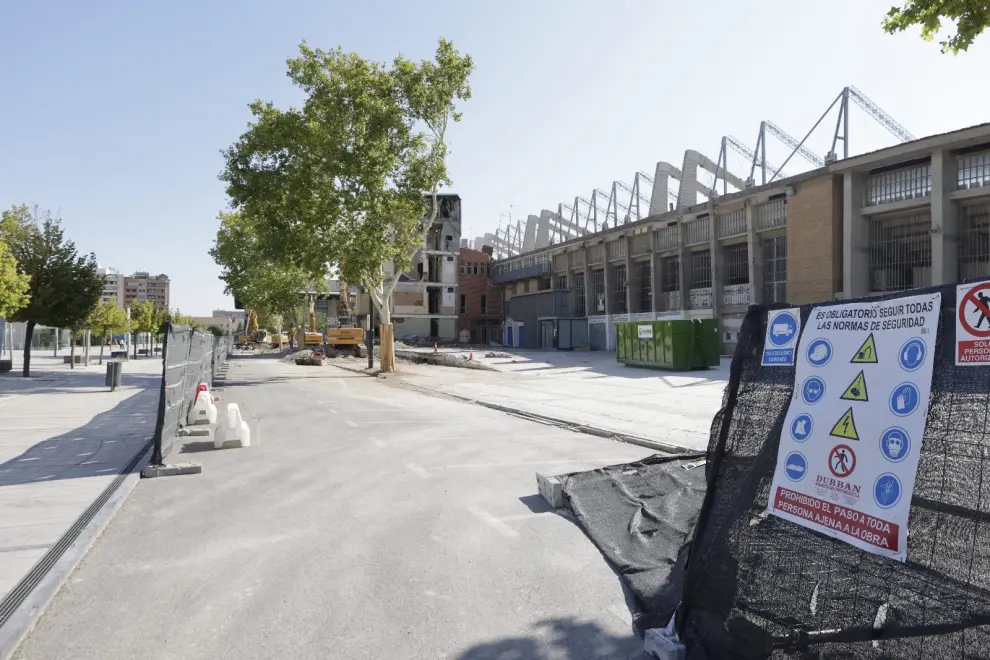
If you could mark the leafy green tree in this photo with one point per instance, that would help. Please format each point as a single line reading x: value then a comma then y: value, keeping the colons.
x: 256, y: 280
x: 108, y: 319
x: 14, y: 285
x: 216, y: 330
x: 64, y: 286
x: 342, y: 181
x: 970, y: 17
x: 144, y: 319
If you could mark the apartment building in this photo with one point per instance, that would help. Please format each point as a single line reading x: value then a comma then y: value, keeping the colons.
x: 479, y: 311
x: 425, y: 300
x: 912, y: 215
x: 142, y: 286
x: 113, y: 284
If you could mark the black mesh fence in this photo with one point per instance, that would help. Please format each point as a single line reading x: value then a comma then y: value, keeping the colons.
x: 758, y: 586
x: 191, y: 356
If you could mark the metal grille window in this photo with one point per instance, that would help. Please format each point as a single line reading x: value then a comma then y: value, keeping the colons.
x: 897, y: 185
x: 701, y: 269
x: 974, y: 242
x: 621, y: 285
x: 562, y: 282
x: 736, y: 259
x: 731, y: 224
x: 597, y: 292
x: 900, y: 252
x: 667, y: 238
x: 973, y: 170
x: 644, y: 278
x: 696, y: 231
x: 771, y: 215
x: 670, y: 274
x: 579, y: 306
x: 775, y: 269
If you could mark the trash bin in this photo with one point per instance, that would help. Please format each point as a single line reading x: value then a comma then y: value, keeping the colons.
x: 114, y: 371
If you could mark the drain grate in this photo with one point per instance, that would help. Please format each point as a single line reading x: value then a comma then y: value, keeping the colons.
x: 19, y: 594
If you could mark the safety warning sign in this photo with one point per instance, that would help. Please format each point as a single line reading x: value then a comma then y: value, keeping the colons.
x: 973, y: 324
x: 852, y: 435
x: 783, y: 329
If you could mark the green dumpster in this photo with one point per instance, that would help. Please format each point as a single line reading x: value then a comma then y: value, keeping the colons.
x: 678, y: 345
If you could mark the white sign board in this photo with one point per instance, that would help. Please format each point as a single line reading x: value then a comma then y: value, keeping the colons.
x: 973, y: 324
x: 851, y: 439
x: 644, y: 331
x: 783, y: 330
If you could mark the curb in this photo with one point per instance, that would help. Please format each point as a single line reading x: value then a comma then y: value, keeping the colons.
x: 541, y: 419
x: 79, y: 539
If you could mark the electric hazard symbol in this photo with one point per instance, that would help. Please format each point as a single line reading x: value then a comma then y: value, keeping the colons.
x: 856, y: 390
x: 867, y: 353
x: 846, y: 427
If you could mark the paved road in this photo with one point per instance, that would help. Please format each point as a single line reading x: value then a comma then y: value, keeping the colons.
x: 63, y: 438
x: 588, y: 388
x: 369, y: 522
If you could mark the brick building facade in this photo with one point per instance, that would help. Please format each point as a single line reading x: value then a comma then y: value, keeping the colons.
x: 479, y: 308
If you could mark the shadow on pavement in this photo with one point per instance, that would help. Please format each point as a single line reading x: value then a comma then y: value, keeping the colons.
x: 102, y: 447
x: 561, y: 638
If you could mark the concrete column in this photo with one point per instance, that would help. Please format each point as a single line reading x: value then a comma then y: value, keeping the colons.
x: 86, y: 342
x: 589, y: 305
x: 855, y: 238
x: 629, y: 276
x: 718, y: 272
x: 609, y: 282
x: 945, y: 219
x: 656, y: 280
x: 755, y: 248
x: 685, y: 274
x: 571, y: 298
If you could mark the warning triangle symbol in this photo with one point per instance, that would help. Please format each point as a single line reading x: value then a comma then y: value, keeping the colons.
x: 846, y: 427
x: 856, y: 390
x: 867, y: 353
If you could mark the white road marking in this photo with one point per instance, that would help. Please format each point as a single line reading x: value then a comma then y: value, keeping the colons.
x: 492, y: 521
x: 621, y: 613
x: 350, y: 423
x: 418, y: 470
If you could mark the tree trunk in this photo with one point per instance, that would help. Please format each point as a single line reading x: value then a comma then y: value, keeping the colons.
x: 134, y: 337
x: 54, y: 342
x: 28, y: 334
x: 103, y: 342
x: 72, y: 350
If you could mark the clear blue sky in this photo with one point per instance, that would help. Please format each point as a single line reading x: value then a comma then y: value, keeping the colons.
x: 114, y: 112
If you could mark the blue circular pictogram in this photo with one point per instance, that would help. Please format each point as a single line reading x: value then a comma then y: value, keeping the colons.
x: 904, y: 399
x: 795, y: 466
x: 887, y: 490
x: 895, y: 444
x: 819, y: 352
x: 813, y: 390
x: 782, y: 329
x: 801, y: 427
x: 912, y: 354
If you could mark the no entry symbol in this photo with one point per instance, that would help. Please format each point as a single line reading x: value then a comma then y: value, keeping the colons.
x: 974, y: 311
x: 842, y: 461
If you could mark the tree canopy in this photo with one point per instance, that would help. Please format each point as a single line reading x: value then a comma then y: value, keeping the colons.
x: 341, y: 182
x: 64, y: 287
x: 970, y: 18
x: 14, y: 285
x: 144, y: 317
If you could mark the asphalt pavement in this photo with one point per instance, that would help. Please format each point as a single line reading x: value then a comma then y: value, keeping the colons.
x: 365, y: 521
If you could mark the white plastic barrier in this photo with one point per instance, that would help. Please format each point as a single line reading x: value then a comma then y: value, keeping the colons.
x: 204, y: 409
x: 233, y: 431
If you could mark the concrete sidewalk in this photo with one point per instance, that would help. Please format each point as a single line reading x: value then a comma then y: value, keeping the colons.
x: 590, y: 389
x: 63, y: 439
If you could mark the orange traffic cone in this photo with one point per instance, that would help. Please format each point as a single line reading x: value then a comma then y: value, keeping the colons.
x: 471, y: 355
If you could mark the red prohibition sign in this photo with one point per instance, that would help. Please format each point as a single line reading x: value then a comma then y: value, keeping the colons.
x: 970, y: 297
x: 842, y: 461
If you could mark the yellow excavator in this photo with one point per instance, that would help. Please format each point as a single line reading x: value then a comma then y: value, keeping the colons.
x: 347, y: 336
